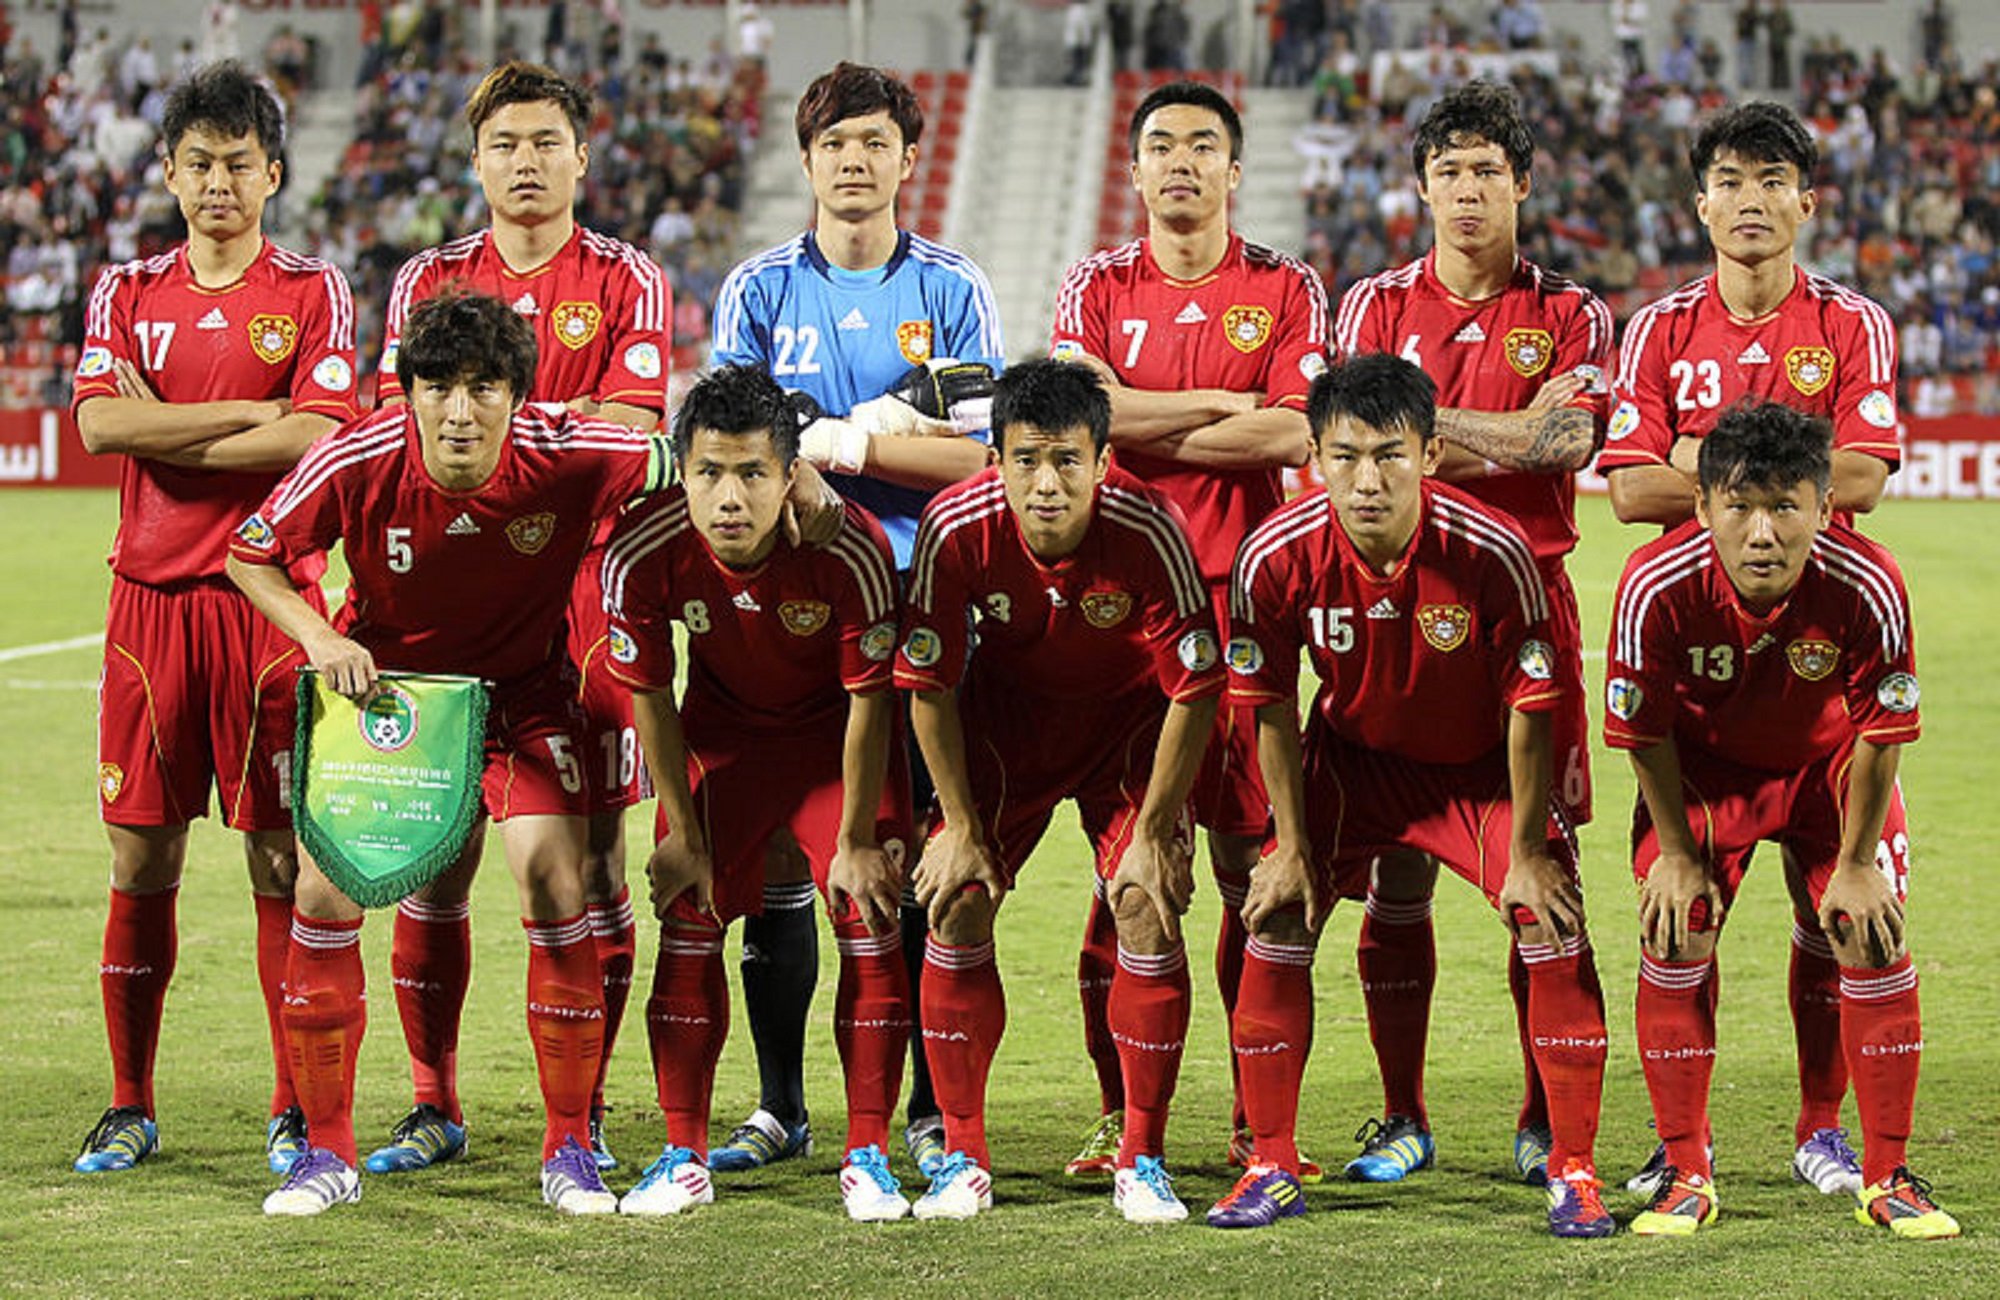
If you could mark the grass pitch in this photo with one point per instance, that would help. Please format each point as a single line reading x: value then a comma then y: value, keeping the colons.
x: 187, y: 1222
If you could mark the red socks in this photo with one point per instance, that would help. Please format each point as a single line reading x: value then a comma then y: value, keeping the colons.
x: 687, y: 1020
x: 1815, y: 998
x: 1676, y: 1024
x: 1566, y: 1030
x: 1150, y: 1000
x: 965, y: 1012
x: 325, y: 1016
x: 1883, y: 1033
x: 871, y: 1027
x: 274, y: 952
x: 430, y: 962
x: 566, y: 1023
x: 1534, y: 1098
x: 1229, y: 940
x: 1271, y: 1035
x: 1096, y: 965
x: 140, y: 944
x: 1397, y: 961
x: 616, y: 939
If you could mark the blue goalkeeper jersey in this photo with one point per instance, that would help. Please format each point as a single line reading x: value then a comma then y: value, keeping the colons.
x: 848, y: 336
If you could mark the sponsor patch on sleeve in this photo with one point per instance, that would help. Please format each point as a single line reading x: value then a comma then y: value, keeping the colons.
x: 334, y: 374
x: 1898, y: 693
x: 1538, y: 660
x: 1623, y: 697
x: 95, y: 361
x: 923, y: 647
x: 878, y: 642
x: 1878, y: 408
x: 623, y: 648
x: 1245, y: 655
x: 643, y: 360
x: 1624, y: 422
x: 256, y: 532
x: 1199, y: 652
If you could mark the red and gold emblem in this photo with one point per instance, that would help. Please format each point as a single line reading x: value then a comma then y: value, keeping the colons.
x: 110, y: 781
x: 1529, y: 351
x: 1246, y: 328
x: 804, y: 617
x: 1106, y: 608
x: 1444, y: 626
x: 272, y: 337
x: 530, y: 533
x: 1809, y: 369
x: 575, y: 323
x: 1812, y: 659
x: 913, y: 339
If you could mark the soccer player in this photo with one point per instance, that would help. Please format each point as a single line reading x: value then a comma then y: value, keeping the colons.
x: 1519, y: 355
x: 600, y: 310
x: 1428, y: 627
x: 1096, y: 678
x: 1762, y: 328
x: 840, y: 312
x: 1762, y: 676
x: 463, y: 513
x: 789, y: 720
x: 1208, y: 342
x: 210, y: 368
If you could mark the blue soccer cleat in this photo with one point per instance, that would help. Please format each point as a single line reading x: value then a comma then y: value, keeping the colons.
x: 285, y: 1140
x: 123, y: 1137
x: 1391, y: 1150
x: 1261, y: 1197
x: 924, y: 1139
x: 600, y: 1151
x: 761, y: 1140
x: 1531, y: 1154
x: 423, y: 1138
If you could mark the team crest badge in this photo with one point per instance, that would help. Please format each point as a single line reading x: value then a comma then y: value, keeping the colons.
x: 110, y: 781
x: 913, y: 339
x: 1623, y: 697
x: 1897, y: 693
x: 272, y: 337
x: 878, y: 642
x: 1810, y: 369
x: 389, y: 720
x: 1246, y: 328
x: 1537, y: 660
x: 575, y: 323
x: 1812, y: 660
x: 1106, y: 608
x: 1529, y: 351
x: 1444, y: 626
x: 922, y: 648
x: 804, y: 617
x: 530, y: 533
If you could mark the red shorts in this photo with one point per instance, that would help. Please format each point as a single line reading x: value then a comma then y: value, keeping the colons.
x: 198, y: 690
x: 618, y: 776
x: 1572, y: 719
x: 1362, y: 803
x: 1730, y: 808
x: 535, y: 762
x: 1026, y: 756
x: 749, y: 783
x: 1229, y: 796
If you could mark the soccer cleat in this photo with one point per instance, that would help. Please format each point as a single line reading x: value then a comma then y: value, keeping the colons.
x: 1686, y: 1203
x: 285, y: 1140
x: 1145, y: 1193
x: 571, y: 1183
x: 1100, y: 1148
x: 761, y: 1140
x: 599, y: 1151
x: 1391, y: 1150
x: 670, y: 1184
x: 1243, y: 1154
x: 924, y: 1140
x: 1903, y: 1205
x: 1531, y: 1154
x: 1576, y: 1203
x: 1653, y: 1176
x: 422, y: 1138
x: 1261, y: 1197
x: 319, y: 1181
x: 1828, y: 1163
x: 959, y: 1190
x: 870, y: 1191
x: 122, y: 1138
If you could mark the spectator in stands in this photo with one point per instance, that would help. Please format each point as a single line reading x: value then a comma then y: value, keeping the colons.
x: 1628, y: 28
x: 1778, y: 43
x: 1517, y: 24
x: 1078, y: 34
x: 1167, y: 37
x: 1749, y: 21
x: 1118, y: 28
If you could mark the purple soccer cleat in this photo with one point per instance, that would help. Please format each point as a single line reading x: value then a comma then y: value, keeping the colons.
x: 1261, y: 1197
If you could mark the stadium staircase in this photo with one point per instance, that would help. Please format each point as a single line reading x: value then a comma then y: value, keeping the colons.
x: 318, y: 139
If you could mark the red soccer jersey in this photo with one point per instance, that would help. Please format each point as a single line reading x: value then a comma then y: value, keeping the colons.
x: 1126, y: 606
x: 1772, y: 691
x: 1827, y: 350
x: 1424, y: 664
x: 1492, y: 355
x: 455, y: 582
x: 284, y: 331
x: 601, y: 311
x: 1256, y: 323
x: 776, y: 648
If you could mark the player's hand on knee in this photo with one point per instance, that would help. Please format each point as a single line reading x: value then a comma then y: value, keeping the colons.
x: 676, y: 867
x: 1159, y: 871
x: 1538, y: 885
x: 1282, y: 879
x: 865, y: 876
x: 1860, y: 909
x: 953, y: 861
x: 1677, y: 899
x: 344, y: 665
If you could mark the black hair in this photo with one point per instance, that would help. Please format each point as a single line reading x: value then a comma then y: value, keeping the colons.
x: 1192, y: 93
x: 458, y: 334
x: 1052, y: 396
x: 1476, y: 112
x: 227, y: 99
x: 738, y: 399
x: 1758, y: 132
x: 1765, y: 445
x: 1381, y: 391
x: 517, y: 82
x: 856, y: 90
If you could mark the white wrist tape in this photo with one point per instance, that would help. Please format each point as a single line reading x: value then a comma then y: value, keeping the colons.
x: 838, y: 445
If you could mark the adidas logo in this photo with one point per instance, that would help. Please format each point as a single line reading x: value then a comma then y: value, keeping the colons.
x: 462, y: 527
x: 854, y: 320
x: 1384, y: 608
x: 215, y: 320
x: 526, y: 305
x: 1470, y: 334
x: 747, y: 603
x: 1192, y: 314
x: 1754, y: 355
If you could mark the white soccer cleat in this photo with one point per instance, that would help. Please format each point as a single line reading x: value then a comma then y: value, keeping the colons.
x: 677, y: 1180
x: 1825, y: 1161
x: 959, y: 1190
x: 871, y: 1192
x: 319, y: 1181
x: 1145, y: 1193
x: 572, y: 1184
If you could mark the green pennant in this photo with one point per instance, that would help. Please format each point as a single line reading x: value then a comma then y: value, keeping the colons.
x: 386, y: 793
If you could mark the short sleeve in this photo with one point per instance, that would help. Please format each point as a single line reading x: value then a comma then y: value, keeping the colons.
x: 1265, y: 636
x: 1641, y: 428
x: 640, y: 344
x: 637, y: 579
x: 932, y: 653
x: 866, y: 609
x: 107, y: 337
x: 323, y: 380
x: 1865, y: 418
x: 1298, y: 348
x: 1639, y: 664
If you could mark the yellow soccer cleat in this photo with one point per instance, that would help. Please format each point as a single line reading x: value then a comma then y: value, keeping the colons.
x: 1685, y: 1204
x: 1903, y: 1205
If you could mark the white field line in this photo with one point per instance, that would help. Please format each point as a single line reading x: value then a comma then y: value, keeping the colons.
x: 11, y: 653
